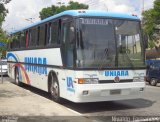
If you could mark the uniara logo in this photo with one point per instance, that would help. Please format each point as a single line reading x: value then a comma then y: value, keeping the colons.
x: 34, y: 64
x: 70, y: 86
x: 117, y: 73
x: 91, y: 75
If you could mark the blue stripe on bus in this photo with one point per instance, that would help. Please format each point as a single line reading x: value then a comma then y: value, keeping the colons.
x: 13, y: 56
x: 77, y: 13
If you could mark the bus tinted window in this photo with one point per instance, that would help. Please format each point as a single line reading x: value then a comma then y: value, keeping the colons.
x: 27, y: 39
x: 33, y: 37
x: 11, y: 45
x: 30, y: 38
x: 49, y: 32
x: 42, y: 35
x: 38, y: 33
x: 22, y: 39
x: 54, y: 32
x: 16, y: 42
x: 46, y: 29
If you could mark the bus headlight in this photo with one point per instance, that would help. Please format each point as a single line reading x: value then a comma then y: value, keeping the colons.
x: 138, y: 79
x: 88, y: 81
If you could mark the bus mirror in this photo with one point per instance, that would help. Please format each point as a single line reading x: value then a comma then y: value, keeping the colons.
x: 145, y: 39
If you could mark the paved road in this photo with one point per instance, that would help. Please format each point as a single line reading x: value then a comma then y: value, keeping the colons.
x: 148, y: 105
x: 29, y: 101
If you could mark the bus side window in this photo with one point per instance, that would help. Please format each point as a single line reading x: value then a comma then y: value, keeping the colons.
x: 22, y: 40
x: 30, y: 38
x: 54, y: 38
x: 59, y: 32
x: 16, y: 41
x: 48, y: 35
x: 42, y: 36
x: 27, y: 39
x: 11, y: 45
x: 33, y: 37
x: 38, y: 36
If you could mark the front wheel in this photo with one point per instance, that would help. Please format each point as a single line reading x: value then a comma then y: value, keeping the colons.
x: 54, y: 90
x: 153, y: 82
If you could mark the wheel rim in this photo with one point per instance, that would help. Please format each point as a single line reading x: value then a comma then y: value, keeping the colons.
x: 153, y: 82
x: 54, y: 89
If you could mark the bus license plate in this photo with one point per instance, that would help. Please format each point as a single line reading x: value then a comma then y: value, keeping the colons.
x: 114, y: 92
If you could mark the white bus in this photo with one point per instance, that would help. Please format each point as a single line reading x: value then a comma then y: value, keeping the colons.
x: 81, y: 56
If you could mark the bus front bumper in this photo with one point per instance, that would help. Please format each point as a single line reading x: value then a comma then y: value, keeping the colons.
x: 108, y: 92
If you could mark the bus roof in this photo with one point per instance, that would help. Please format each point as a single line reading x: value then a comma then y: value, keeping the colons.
x: 79, y: 13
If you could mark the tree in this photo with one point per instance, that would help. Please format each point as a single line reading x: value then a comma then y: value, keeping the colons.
x: 50, y: 11
x: 151, y: 23
x: 3, y: 36
x: 3, y: 39
x: 3, y: 10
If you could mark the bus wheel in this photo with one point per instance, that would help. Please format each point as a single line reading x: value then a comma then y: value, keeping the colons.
x: 153, y: 82
x: 54, y: 89
x: 17, y: 77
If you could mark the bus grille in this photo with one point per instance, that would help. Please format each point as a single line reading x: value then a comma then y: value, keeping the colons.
x: 112, y: 81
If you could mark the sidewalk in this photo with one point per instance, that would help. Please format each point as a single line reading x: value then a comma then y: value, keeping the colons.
x: 18, y: 102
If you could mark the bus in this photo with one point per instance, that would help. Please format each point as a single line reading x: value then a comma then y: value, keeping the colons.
x: 81, y: 56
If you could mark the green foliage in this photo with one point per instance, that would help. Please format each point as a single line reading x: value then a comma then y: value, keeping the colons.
x: 3, y: 35
x: 151, y: 44
x: 3, y: 38
x: 4, y: 1
x: 151, y: 21
x: 148, y: 22
x: 3, y: 13
x: 50, y: 11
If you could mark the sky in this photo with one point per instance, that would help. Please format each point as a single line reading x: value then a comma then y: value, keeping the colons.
x: 25, y: 12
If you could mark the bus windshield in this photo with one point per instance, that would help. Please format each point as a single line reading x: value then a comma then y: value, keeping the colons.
x: 109, y: 43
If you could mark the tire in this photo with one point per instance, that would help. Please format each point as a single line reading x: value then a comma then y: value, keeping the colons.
x: 54, y: 89
x: 153, y: 82
x: 17, y: 82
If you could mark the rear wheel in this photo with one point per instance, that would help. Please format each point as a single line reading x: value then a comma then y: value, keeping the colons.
x: 17, y: 76
x: 17, y: 81
x: 153, y: 82
x: 54, y: 89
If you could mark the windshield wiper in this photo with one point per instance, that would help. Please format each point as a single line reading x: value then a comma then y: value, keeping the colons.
x: 129, y: 60
x: 105, y: 55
